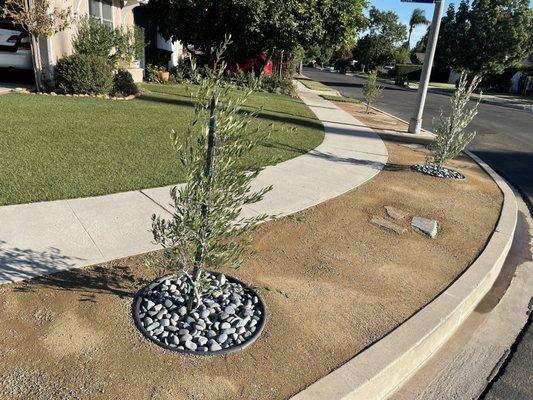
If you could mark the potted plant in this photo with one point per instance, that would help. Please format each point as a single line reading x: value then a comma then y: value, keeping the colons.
x: 163, y: 74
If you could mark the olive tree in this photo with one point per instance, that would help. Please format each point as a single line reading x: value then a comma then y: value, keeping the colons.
x: 371, y: 90
x: 206, y: 230
x: 452, y: 136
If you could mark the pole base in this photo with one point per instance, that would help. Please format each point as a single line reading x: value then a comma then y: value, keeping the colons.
x: 415, y: 125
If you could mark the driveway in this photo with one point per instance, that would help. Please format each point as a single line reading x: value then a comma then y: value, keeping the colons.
x: 505, y: 135
x: 12, y: 79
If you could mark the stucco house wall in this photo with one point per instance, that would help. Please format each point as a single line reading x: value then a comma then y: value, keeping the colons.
x: 60, y: 45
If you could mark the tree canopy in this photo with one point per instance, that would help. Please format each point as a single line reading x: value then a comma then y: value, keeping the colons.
x: 418, y: 17
x: 485, y: 37
x: 383, y: 41
x: 258, y: 25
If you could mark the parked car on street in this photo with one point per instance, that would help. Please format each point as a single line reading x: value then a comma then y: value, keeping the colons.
x: 15, y: 47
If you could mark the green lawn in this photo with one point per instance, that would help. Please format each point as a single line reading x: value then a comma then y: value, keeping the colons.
x: 339, y: 99
x: 314, y: 85
x: 56, y: 147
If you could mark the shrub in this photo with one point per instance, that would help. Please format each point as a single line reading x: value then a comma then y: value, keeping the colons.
x: 270, y: 84
x: 120, y: 45
x: 275, y: 84
x: 150, y: 73
x: 452, y: 137
x: 94, y: 38
x: 84, y: 74
x: 123, y: 84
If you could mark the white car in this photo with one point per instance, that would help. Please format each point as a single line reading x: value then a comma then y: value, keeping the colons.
x: 15, y: 47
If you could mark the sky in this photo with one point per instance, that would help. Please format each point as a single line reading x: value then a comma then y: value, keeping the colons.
x: 404, y: 10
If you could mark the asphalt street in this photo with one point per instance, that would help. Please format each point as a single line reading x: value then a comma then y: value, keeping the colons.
x: 515, y: 380
x: 504, y: 135
x: 505, y: 141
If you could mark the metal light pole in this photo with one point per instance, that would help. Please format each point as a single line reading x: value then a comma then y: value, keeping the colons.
x: 415, y: 124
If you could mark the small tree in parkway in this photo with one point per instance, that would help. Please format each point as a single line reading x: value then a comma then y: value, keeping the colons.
x: 206, y: 231
x: 371, y: 90
x: 452, y: 137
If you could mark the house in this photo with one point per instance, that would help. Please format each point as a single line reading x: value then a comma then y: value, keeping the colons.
x: 522, y: 81
x: 114, y: 13
x: 158, y: 50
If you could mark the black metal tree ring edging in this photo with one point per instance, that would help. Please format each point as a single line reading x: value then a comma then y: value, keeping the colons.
x: 136, y: 310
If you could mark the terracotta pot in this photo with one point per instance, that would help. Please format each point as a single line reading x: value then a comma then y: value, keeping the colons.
x: 163, y: 75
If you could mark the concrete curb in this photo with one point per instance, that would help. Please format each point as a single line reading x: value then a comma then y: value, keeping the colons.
x: 378, y: 371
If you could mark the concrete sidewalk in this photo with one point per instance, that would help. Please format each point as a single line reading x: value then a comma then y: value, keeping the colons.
x: 46, y: 237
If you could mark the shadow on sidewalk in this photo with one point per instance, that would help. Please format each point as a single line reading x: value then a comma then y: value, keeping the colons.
x: 348, y: 160
x: 17, y: 263
x: 261, y: 113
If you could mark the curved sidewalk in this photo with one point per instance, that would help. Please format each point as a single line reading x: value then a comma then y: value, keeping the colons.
x: 46, y: 237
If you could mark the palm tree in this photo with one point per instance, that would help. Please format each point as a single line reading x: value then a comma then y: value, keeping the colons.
x: 418, y: 17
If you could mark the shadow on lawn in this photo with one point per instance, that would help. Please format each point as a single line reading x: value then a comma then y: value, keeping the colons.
x: 262, y: 113
x: 51, y: 269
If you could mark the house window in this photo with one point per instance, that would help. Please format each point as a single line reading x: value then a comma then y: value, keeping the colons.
x: 102, y: 10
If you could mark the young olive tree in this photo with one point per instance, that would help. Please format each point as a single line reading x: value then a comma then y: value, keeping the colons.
x: 452, y: 137
x: 40, y: 20
x: 206, y: 230
x: 371, y: 90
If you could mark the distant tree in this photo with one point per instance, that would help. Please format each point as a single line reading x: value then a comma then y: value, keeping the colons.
x: 319, y: 52
x: 401, y: 55
x: 486, y: 37
x: 460, y: 42
x: 447, y: 49
x: 418, y: 17
x: 40, y: 20
x: 341, y: 55
x: 499, y: 35
x: 371, y: 90
x: 341, y: 21
x: 444, y: 55
x: 380, y: 45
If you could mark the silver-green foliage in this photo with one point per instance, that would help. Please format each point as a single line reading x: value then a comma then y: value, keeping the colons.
x: 452, y: 136
x: 206, y: 230
x: 371, y: 90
